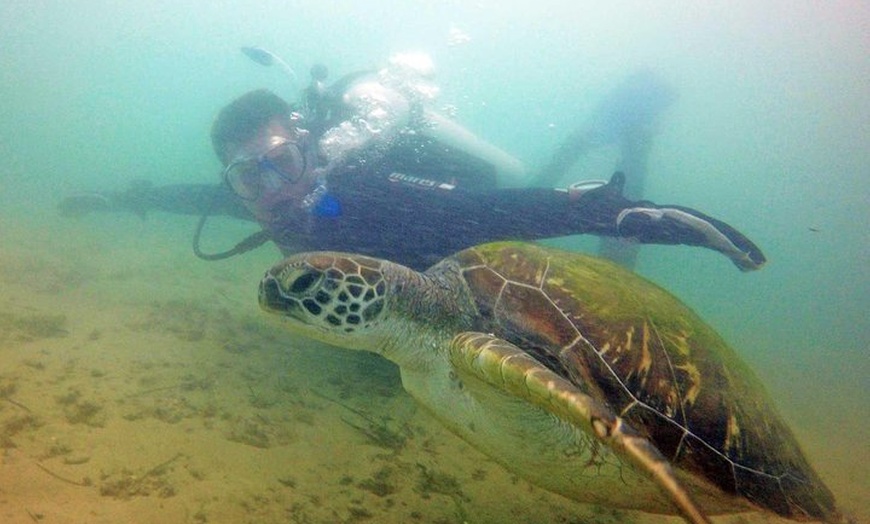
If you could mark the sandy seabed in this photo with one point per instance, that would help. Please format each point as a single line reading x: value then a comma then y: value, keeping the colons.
x: 138, y: 384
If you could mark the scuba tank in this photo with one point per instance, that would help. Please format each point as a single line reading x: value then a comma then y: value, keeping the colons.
x: 320, y: 103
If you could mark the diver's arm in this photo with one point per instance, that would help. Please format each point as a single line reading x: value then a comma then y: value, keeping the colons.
x: 441, y: 218
x: 185, y: 199
x: 510, y: 171
x: 536, y: 213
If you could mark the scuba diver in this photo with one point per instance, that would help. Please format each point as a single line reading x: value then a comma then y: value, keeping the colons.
x: 363, y: 165
x: 625, y: 118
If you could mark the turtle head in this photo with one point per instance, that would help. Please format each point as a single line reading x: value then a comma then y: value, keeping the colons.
x: 333, y: 297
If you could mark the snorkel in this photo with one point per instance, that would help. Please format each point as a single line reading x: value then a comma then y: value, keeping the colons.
x: 268, y: 58
x: 312, y: 96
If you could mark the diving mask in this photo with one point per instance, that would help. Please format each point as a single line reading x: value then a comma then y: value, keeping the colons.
x: 283, y: 163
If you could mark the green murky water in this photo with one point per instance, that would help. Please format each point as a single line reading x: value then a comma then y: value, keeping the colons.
x: 138, y: 383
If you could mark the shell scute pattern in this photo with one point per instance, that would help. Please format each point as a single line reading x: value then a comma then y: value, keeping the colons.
x: 601, y: 345
x: 636, y: 348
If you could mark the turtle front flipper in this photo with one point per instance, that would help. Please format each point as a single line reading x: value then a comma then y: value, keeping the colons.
x: 503, y: 365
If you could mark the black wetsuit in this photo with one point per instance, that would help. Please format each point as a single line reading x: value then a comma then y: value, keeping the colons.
x: 415, y: 222
x: 416, y: 206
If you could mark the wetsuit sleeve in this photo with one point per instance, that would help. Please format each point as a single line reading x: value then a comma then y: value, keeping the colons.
x: 193, y: 199
x: 417, y: 221
x: 186, y: 199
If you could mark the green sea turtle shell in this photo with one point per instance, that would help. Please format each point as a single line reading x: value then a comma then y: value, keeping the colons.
x: 634, y: 346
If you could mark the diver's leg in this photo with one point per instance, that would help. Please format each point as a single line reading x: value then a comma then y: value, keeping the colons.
x: 634, y: 155
x: 567, y: 154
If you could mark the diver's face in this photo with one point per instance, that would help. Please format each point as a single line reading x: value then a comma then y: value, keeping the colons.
x: 270, y: 171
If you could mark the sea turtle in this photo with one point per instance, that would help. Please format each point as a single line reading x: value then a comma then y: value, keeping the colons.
x: 580, y: 376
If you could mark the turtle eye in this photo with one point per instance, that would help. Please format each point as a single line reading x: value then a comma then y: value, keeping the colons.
x: 304, y: 282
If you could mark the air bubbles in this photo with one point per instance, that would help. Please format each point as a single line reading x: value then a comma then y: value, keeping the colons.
x: 457, y: 37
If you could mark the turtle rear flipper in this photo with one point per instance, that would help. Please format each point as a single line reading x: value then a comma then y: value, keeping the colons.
x: 502, y: 365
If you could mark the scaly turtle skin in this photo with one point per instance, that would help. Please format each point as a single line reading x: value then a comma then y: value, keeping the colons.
x: 574, y: 373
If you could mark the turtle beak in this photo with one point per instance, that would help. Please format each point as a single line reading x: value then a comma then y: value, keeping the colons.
x: 273, y: 299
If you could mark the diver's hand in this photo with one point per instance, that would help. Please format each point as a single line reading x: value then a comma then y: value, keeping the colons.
x: 81, y: 204
x: 137, y: 199
x: 680, y: 225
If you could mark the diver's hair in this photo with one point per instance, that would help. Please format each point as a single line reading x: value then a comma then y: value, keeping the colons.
x: 240, y: 121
